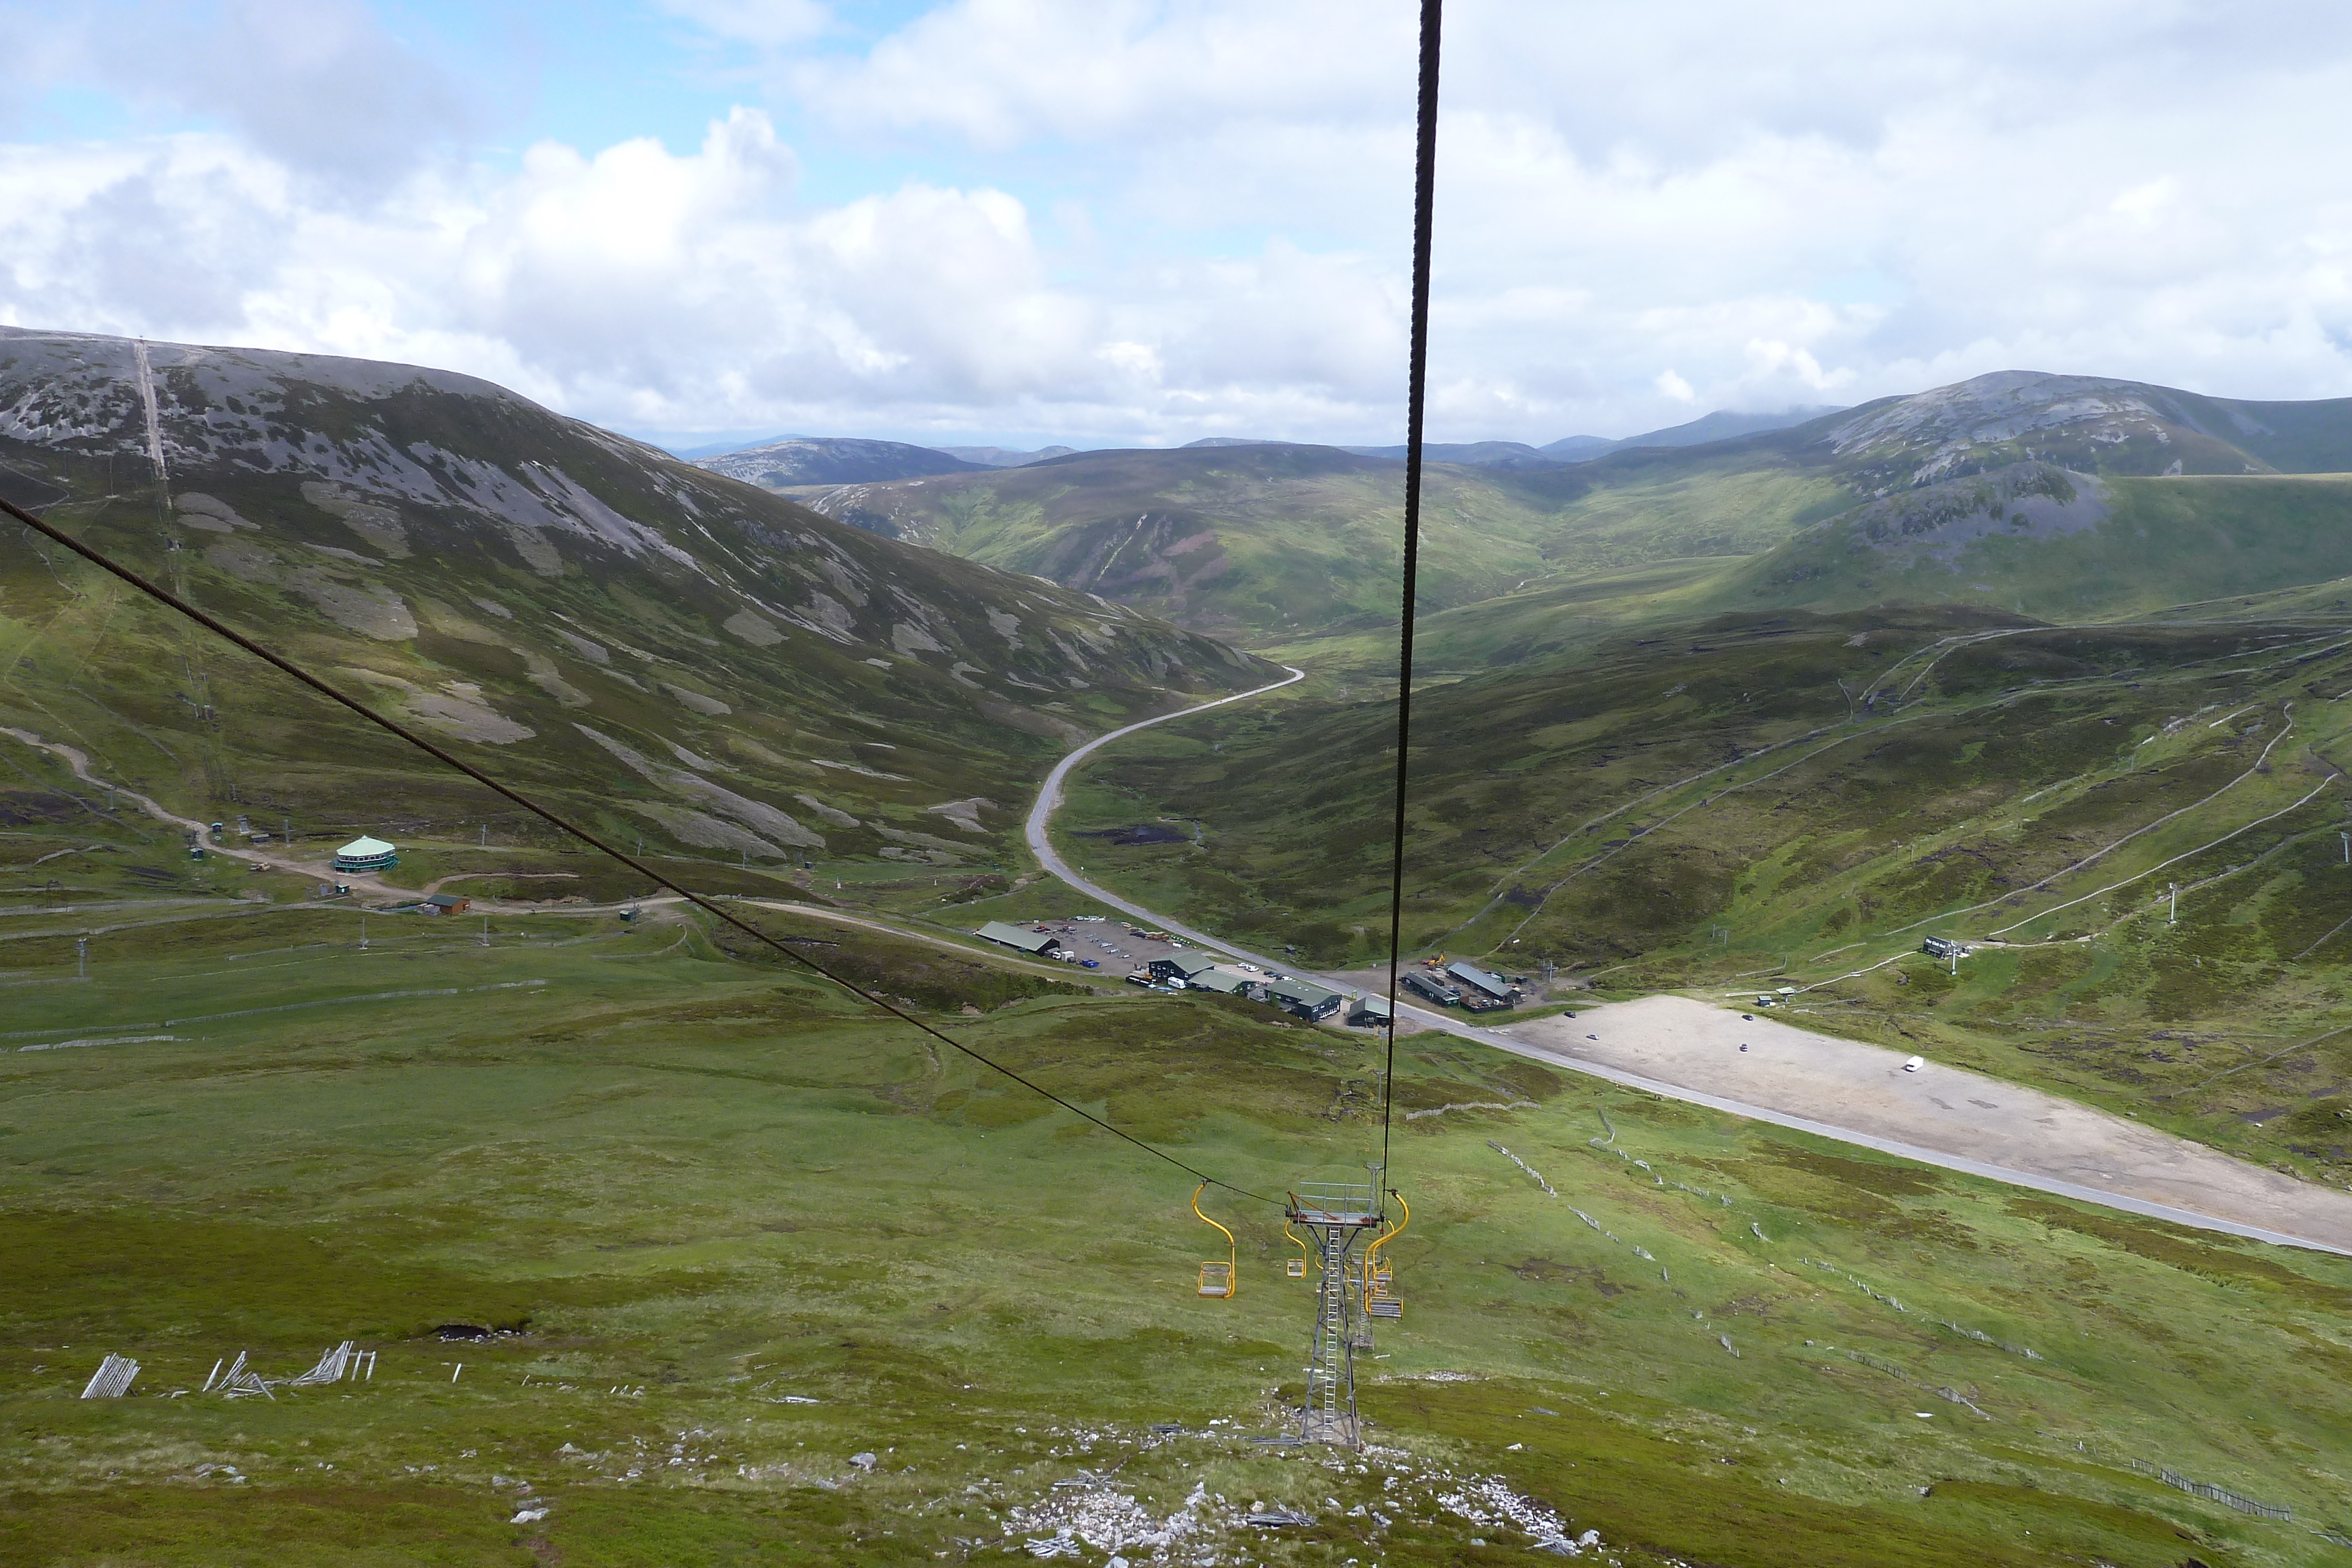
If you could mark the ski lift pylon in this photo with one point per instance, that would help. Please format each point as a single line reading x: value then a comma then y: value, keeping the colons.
x: 1217, y: 1279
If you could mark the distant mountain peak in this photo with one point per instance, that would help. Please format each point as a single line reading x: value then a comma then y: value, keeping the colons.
x: 1003, y: 457
x: 2001, y: 406
x: 1723, y: 425
x: 2104, y: 424
x: 834, y: 460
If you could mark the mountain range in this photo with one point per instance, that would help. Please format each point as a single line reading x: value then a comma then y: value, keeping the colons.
x: 790, y: 460
x: 2017, y: 488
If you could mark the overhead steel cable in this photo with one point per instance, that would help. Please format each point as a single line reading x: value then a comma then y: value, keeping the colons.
x: 1424, y: 201
x: 164, y: 596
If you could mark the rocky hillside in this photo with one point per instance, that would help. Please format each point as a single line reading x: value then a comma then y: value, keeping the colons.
x: 2089, y: 423
x: 680, y: 656
x: 2065, y: 497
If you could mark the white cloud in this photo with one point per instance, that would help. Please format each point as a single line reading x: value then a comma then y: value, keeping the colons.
x: 765, y: 23
x: 318, y: 86
x: 1825, y: 203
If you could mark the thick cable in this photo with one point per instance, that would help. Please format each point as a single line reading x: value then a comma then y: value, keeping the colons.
x: 164, y: 596
x: 1424, y: 201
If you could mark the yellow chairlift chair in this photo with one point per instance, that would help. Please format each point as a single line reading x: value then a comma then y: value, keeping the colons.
x: 1296, y: 1267
x: 1217, y: 1279
x: 1378, y: 1301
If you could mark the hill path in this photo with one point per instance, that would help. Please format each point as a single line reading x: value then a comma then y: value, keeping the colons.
x: 1840, y: 1089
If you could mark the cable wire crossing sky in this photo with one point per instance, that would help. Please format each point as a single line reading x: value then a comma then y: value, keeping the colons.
x: 1115, y: 222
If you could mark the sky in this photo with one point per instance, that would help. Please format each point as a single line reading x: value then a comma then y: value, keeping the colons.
x: 1121, y: 222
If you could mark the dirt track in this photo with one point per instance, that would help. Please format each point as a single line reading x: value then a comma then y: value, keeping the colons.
x: 1970, y: 1118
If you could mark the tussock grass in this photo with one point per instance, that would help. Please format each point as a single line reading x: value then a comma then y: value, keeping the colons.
x: 685, y: 1186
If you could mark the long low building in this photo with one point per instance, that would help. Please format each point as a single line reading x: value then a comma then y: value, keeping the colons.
x: 1036, y: 944
x: 1181, y: 966
x: 1223, y: 979
x: 1493, y: 986
x: 1303, y: 997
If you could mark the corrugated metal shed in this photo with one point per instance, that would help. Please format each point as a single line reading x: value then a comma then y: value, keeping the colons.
x: 1037, y: 942
x: 1480, y: 981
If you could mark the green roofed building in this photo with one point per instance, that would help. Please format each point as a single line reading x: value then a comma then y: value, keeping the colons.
x: 1303, y: 997
x: 1223, y: 981
x: 1485, y: 985
x: 1183, y: 967
x: 366, y: 855
x: 1036, y: 944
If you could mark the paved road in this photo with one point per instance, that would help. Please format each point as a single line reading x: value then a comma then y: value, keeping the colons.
x: 2105, y: 1160
x: 1049, y: 800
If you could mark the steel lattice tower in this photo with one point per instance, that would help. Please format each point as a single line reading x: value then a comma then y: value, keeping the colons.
x: 1339, y: 1217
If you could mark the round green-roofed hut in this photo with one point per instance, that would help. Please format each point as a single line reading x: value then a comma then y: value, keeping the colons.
x: 366, y: 855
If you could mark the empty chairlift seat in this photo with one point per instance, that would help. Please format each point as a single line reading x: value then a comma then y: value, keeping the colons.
x: 1217, y: 1278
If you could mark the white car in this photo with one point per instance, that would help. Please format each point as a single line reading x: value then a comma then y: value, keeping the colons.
x: 1915, y: 1064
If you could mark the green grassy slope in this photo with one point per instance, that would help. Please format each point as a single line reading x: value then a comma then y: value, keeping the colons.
x: 1806, y: 796
x: 1246, y: 541
x: 1273, y: 543
x: 1560, y: 615
x: 667, y: 652
x: 731, y: 1231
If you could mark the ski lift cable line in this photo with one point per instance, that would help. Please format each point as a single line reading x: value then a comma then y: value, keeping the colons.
x: 2005, y: 699
x: 1953, y: 644
x: 2324, y: 785
x: 165, y: 597
x: 2097, y: 854
x: 1424, y: 201
x: 1857, y: 731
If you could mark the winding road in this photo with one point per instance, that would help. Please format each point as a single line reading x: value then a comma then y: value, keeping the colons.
x: 1836, y: 1088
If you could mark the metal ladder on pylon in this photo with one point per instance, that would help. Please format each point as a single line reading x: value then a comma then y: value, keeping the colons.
x: 1331, y: 1414
x: 1339, y: 1217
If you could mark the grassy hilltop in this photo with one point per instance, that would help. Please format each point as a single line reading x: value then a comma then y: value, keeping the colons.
x: 728, y: 1230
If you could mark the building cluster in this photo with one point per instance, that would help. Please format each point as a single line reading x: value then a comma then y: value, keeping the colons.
x: 1184, y: 970
x: 1461, y: 984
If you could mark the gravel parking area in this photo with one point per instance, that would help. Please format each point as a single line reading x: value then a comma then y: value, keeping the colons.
x: 1945, y: 1109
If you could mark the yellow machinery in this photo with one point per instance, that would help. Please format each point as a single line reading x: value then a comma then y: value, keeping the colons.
x: 1216, y: 1279
x: 1378, y: 1301
x: 1296, y: 1267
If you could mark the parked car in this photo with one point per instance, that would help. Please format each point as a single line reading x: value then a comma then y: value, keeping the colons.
x: 1090, y: 963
